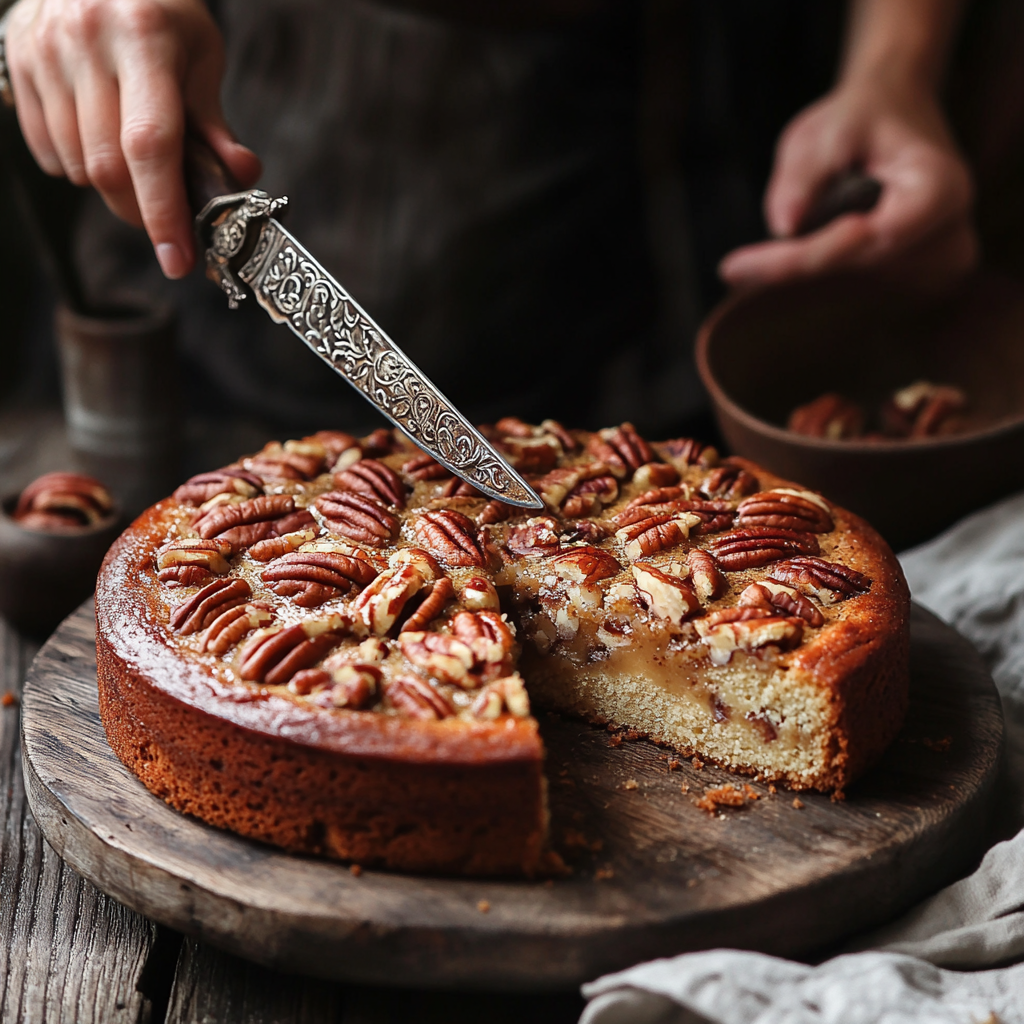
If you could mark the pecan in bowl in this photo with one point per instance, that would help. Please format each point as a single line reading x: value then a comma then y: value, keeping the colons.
x: 62, y: 503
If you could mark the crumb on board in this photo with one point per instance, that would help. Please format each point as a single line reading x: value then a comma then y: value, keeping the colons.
x: 684, y: 788
x: 772, y: 789
x: 615, y: 740
x: 603, y: 873
x: 940, y: 746
x: 483, y: 906
x: 697, y: 763
x: 726, y: 796
x: 838, y: 796
x: 674, y: 765
x: 8, y: 699
x: 355, y: 869
x: 575, y: 839
x: 798, y: 803
x: 631, y: 784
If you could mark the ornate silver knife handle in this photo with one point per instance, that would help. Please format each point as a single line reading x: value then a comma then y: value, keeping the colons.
x: 296, y: 290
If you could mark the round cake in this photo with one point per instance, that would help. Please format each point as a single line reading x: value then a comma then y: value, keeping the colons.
x: 333, y: 645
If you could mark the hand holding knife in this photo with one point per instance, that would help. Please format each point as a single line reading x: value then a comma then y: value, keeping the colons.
x: 245, y: 245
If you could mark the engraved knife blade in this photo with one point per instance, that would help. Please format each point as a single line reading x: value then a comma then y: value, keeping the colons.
x: 243, y: 241
x: 296, y: 290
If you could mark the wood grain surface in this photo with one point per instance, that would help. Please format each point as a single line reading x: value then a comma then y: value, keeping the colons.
x: 652, y: 873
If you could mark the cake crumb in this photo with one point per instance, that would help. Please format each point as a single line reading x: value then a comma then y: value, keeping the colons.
x: 633, y: 735
x: 603, y: 873
x: 684, y: 788
x: 939, y: 746
x: 356, y: 870
x: 798, y: 803
x: 726, y: 796
x: 697, y: 763
x: 838, y: 796
x: 631, y: 784
x: 772, y: 789
x: 674, y: 765
x: 615, y: 740
x: 484, y: 907
x: 8, y: 699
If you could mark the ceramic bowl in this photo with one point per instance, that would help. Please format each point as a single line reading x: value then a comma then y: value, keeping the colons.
x: 760, y: 355
x: 45, y: 576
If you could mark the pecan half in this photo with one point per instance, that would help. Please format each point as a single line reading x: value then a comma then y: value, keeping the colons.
x: 293, y: 460
x: 586, y: 531
x: 585, y: 564
x: 513, y: 426
x: 656, y: 474
x: 589, y: 496
x: 63, y: 501
x: 229, y: 480
x: 207, y: 604
x: 425, y: 467
x: 438, y: 594
x: 382, y: 602
x: 924, y: 409
x: 759, y: 545
x: 373, y: 478
x: 747, y: 632
x: 622, y: 449
x: 454, y: 538
x: 502, y: 695
x: 531, y: 454
x: 728, y: 481
x: 310, y: 578
x: 685, y: 452
x: 334, y: 442
x: 652, y: 533
x: 423, y: 561
x: 556, y: 485
x: 417, y: 699
x: 379, y: 442
x: 355, y: 686
x: 190, y: 561
x: 274, y: 656
x: 456, y: 488
x: 488, y: 637
x: 770, y: 595
x: 565, y: 439
x: 665, y: 596
x: 495, y: 512
x: 708, y: 580
x: 244, y: 523
x: 229, y: 627
x: 275, y: 547
x: 829, y: 582
x: 478, y: 594
x: 788, y: 509
x: 830, y: 416
x: 358, y: 517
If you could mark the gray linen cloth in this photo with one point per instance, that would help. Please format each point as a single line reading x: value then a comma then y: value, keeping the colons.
x: 945, y: 959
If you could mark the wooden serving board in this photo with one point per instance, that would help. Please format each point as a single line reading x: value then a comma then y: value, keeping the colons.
x: 653, y: 874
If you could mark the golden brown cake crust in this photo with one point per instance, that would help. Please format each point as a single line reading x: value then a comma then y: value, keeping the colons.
x: 419, y: 753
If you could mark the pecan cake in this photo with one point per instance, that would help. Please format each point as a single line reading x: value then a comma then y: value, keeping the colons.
x: 333, y: 645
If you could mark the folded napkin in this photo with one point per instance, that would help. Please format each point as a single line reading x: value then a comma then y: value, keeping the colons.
x: 929, y: 966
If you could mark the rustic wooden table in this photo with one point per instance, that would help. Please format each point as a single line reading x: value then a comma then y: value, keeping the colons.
x: 70, y: 953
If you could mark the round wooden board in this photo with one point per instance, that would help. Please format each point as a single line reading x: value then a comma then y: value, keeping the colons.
x: 653, y: 875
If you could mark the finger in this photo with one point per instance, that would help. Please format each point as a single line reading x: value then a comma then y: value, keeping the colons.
x: 151, y: 133
x: 99, y: 114
x: 842, y: 243
x: 202, y: 105
x: 33, y: 125
x: 807, y: 157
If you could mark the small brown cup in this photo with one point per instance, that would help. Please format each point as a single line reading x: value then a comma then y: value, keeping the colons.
x: 45, y: 576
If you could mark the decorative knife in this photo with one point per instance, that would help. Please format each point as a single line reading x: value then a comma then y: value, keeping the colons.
x: 244, y: 243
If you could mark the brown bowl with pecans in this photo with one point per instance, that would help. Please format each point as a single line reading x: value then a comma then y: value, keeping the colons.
x: 53, y: 537
x: 768, y: 355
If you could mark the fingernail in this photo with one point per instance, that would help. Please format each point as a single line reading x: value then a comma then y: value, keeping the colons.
x: 171, y: 260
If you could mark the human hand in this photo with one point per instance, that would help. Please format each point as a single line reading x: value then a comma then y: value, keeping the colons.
x: 920, y: 232
x: 104, y: 89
